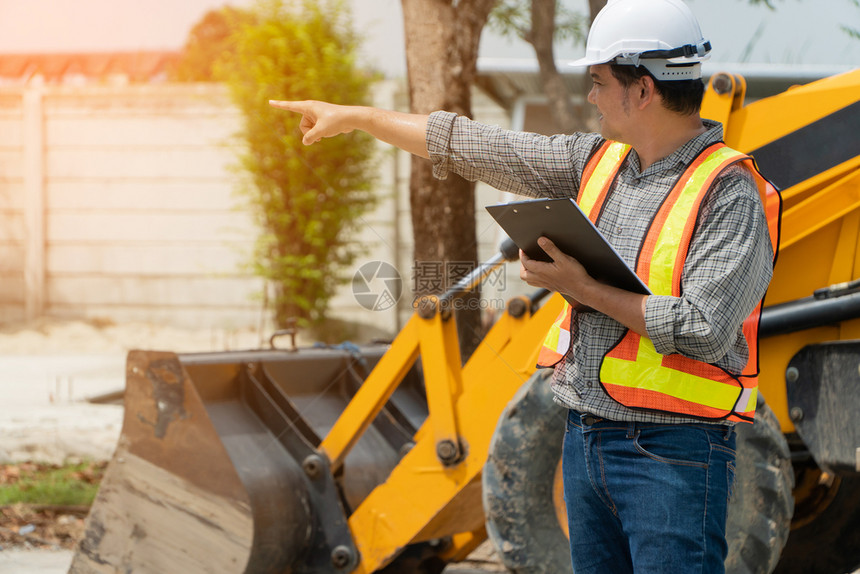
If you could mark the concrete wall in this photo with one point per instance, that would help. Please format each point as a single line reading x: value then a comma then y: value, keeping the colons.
x: 119, y: 203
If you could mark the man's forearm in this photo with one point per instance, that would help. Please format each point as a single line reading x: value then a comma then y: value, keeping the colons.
x: 400, y: 129
x: 324, y: 120
x: 624, y: 306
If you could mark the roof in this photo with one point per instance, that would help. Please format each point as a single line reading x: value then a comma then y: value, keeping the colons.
x: 136, y: 66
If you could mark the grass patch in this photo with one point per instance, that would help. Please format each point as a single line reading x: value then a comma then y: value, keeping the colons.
x: 32, y: 483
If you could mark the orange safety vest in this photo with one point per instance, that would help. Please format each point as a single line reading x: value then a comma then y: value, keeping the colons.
x: 633, y: 372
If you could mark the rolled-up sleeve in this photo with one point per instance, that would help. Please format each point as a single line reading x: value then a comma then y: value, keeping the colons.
x: 525, y: 163
x: 438, y: 135
x: 725, y: 276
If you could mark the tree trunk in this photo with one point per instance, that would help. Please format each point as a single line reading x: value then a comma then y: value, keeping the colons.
x: 595, y: 6
x: 562, y: 110
x: 567, y: 116
x: 441, y: 53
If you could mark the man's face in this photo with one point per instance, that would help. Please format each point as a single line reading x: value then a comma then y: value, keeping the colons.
x: 612, y: 101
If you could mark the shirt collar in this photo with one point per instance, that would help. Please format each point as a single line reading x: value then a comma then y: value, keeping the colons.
x: 685, y: 154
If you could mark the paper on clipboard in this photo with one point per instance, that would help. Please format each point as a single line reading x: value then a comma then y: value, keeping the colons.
x: 565, y: 224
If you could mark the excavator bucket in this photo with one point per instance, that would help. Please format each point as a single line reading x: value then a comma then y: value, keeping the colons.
x: 217, y: 470
x: 263, y: 461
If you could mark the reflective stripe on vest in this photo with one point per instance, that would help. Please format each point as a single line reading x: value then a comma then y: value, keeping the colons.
x: 596, y: 179
x: 557, y: 341
x: 598, y: 175
x: 633, y: 372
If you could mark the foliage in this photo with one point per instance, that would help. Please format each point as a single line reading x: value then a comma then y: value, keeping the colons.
x: 513, y: 18
x: 31, y: 483
x: 768, y: 3
x: 308, y: 201
x: 852, y: 32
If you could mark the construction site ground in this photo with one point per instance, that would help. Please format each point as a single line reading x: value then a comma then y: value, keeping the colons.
x: 48, y: 371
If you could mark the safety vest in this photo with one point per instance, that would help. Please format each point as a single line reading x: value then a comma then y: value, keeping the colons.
x: 632, y: 371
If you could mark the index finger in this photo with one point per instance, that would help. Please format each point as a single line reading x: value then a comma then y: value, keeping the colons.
x: 291, y: 106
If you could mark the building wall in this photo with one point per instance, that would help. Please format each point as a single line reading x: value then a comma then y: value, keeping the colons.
x: 119, y: 203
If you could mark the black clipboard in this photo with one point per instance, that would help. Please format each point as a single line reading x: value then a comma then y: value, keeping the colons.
x: 566, y: 225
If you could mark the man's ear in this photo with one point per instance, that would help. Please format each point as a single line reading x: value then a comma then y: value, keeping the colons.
x: 646, y: 91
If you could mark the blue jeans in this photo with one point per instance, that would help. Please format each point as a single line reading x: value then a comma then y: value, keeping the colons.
x: 646, y: 497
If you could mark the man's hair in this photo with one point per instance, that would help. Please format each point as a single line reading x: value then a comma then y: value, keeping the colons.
x: 682, y: 96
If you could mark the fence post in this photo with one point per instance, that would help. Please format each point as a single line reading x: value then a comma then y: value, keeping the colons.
x: 34, y: 201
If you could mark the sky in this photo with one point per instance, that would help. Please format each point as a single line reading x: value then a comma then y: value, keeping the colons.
x: 797, y: 32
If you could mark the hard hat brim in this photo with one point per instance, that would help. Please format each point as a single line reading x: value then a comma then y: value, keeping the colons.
x: 586, y: 62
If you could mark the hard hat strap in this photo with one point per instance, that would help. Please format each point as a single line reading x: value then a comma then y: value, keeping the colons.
x: 686, y: 51
x: 663, y: 69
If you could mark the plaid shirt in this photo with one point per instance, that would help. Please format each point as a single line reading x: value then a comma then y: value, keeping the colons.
x: 725, y: 275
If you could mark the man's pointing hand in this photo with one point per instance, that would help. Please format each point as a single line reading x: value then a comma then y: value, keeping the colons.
x: 319, y: 119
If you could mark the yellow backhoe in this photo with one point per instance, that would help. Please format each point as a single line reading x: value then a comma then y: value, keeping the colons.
x: 398, y: 458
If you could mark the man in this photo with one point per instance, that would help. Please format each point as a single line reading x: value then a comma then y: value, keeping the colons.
x: 654, y: 383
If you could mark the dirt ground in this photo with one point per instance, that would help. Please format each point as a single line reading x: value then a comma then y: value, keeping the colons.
x: 41, y: 527
x: 48, y: 370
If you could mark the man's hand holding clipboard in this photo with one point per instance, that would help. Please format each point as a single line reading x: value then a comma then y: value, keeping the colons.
x: 555, y: 275
x: 561, y: 250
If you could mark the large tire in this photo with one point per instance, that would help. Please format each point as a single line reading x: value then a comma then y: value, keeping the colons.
x: 521, y: 469
x: 762, y: 504
x: 825, y: 534
x: 518, y: 482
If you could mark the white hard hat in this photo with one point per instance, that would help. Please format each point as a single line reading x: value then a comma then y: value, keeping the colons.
x: 662, y: 35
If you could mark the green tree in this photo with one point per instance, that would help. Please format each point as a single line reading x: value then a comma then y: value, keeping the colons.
x: 307, y: 200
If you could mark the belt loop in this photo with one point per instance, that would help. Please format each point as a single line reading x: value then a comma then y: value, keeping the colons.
x: 631, y: 429
x: 729, y: 430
